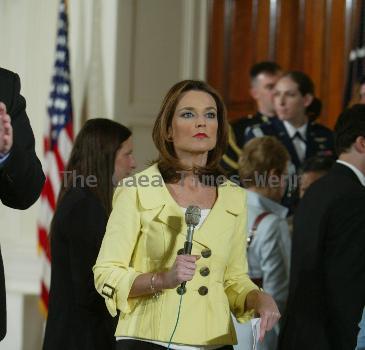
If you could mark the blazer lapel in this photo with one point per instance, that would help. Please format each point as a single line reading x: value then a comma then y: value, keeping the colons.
x: 228, y: 205
x: 173, y: 216
x: 222, y: 216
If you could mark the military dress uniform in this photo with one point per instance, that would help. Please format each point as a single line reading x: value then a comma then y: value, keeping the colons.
x: 318, y: 139
x: 237, y: 138
x: 315, y: 139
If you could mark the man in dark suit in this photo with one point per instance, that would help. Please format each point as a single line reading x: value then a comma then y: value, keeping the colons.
x: 327, y: 278
x: 263, y: 76
x: 21, y: 175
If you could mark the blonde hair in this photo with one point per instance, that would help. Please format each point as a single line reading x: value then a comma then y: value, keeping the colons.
x: 260, y: 156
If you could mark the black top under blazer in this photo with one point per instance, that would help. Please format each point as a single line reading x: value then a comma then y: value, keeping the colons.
x: 77, y: 316
x: 327, y: 278
x: 21, y: 175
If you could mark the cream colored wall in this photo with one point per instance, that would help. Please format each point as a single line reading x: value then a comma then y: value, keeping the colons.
x: 125, y: 54
x: 159, y: 43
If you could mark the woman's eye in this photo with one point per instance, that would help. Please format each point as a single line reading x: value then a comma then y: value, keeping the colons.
x: 187, y: 115
x: 211, y: 115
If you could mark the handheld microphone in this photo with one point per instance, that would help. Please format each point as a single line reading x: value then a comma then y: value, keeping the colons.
x: 192, y: 218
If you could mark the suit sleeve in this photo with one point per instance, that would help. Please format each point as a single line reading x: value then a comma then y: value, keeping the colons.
x: 113, y: 275
x: 21, y: 175
x: 344, y: 268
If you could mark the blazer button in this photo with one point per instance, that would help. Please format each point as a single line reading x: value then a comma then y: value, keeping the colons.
x: 180, y: 251
x: 203, y: 290
x: 204, y: 271
x: 206, y: 253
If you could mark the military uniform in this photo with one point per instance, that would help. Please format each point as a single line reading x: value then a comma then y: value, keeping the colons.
x: 237, y: 138
x: 319, y: 141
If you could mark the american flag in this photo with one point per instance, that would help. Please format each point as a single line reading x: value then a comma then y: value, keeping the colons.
x: 57, y: 146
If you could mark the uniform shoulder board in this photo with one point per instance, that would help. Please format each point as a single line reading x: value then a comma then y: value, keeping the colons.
x: 265, y: 119
x: 250, y: 116
x: 257, y: 131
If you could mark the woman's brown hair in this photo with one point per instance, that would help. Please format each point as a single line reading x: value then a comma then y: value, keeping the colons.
x: 93, y: 154
x: 168, y: 162
x: 260, y: 156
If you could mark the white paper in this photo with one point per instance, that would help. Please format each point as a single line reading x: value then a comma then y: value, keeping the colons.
x: 255, y: 325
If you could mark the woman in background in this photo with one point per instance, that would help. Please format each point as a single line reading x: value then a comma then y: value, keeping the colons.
x: 77, y: 317
x: 263, y: 172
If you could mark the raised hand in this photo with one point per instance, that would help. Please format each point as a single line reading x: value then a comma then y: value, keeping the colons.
x: 6, y: 131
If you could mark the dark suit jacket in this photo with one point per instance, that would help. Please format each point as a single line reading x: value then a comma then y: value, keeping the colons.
x: 21, y: 175
x: 327, y: 279
x: 77, y: 316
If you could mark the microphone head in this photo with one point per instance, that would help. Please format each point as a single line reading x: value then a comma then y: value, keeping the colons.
x: 192, y: 215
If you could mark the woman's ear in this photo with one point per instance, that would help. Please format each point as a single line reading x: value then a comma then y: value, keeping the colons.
x: 308, y: 99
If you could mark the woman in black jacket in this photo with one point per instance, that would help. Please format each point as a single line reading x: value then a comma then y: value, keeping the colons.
x: 78, y: 318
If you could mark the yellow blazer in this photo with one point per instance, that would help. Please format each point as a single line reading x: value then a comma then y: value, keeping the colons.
x: 144, y: 232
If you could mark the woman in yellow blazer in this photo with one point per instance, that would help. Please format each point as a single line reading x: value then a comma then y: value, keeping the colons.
x: 139, y: 264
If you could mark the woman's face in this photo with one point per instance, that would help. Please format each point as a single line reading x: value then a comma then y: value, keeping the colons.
x: 194, y: 124
x: 124, y: 161
x: 289, y: 103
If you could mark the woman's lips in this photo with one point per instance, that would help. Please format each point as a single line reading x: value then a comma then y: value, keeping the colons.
x: 201, y: 135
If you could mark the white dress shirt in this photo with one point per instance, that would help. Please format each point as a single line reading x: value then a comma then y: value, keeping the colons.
x: 357, y: 172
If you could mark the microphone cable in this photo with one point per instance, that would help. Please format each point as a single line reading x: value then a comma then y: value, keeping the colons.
x: 177, y: 321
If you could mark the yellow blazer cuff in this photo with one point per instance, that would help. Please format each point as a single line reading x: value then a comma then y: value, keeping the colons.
x: 116, y: 288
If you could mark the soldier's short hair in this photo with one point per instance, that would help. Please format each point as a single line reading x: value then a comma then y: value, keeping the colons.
x: 267, y: 67
x: 349, y: 126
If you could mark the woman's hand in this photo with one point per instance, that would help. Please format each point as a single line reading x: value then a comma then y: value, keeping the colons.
x: 265, y: 306
x: 183, y: 270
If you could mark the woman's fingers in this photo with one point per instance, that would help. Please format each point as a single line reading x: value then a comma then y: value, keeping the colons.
x: 263, y: 327
x: 268, y: 321
x: 185, y: 267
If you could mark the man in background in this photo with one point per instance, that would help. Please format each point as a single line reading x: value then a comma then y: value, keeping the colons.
x: 327, y: 277
x: 21, y: 175
x: 264, y: 76
x: 312, y: 170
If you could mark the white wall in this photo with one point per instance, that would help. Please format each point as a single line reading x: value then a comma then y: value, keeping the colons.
x: 124, y: 56
x: 159, y: 43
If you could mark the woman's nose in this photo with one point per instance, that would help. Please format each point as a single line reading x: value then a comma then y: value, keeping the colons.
x: 200, y: 120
